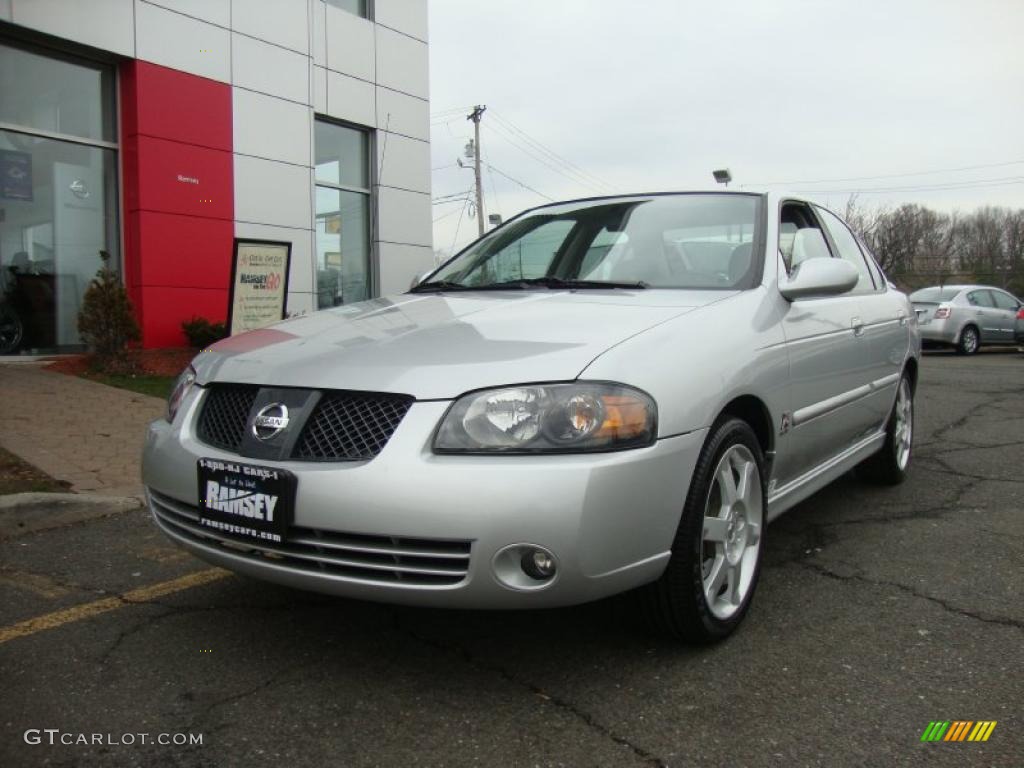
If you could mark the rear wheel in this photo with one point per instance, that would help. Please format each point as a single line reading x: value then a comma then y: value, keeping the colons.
x: 969, y: 341
x: 889, y: 466
x: 709, y: 582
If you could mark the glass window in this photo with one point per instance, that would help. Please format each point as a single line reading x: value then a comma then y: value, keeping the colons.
x: 848, y: 249
x: 1005, y: 301
x: 980, y: 299
x: 358, y: 7
x: 670, y: 241
x: 56, y: 95
x: 934, y: 295
x: 342, y: 155
x: 58, y: 210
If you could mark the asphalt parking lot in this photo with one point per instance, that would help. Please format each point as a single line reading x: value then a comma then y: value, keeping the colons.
x: 879, y: 610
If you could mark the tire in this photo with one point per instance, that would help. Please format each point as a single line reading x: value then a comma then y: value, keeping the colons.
x: 11, y: 330
x: 889, y: 466
x: 970, y: 341
x: 723, y: 561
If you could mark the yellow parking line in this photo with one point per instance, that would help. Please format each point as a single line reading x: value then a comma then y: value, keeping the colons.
x: 95, y: 608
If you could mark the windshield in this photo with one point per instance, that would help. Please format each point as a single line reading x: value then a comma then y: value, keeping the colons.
x: 672, y: 241
x: 934, y: 294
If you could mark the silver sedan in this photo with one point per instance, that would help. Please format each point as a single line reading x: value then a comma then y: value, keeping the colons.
x: 965, y: 316
x: 597, y: 396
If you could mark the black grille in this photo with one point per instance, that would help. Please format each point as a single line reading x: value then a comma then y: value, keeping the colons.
x: 351, y: 426
x: 225, y: 415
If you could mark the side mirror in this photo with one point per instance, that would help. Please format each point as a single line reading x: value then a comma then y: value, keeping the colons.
x: 819, y: 277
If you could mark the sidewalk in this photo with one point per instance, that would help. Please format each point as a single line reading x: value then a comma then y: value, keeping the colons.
x: 85, y: 433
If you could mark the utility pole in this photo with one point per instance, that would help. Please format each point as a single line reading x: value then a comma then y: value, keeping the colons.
x: 475, y: 115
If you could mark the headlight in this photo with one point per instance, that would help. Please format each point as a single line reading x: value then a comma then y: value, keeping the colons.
x: 181, y: 389
x: 549, y: 418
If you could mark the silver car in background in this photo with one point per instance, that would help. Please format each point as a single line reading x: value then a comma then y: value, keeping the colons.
x: 965, y: 316
x: 597, y: 396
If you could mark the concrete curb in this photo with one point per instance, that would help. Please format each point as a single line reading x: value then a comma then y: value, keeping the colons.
x: 22, y: 513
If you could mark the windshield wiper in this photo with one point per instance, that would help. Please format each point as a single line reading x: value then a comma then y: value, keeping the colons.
x: 438, y: 286
x: 559, y: 282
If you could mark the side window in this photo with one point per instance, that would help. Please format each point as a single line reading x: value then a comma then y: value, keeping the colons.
x: 1005, y: 301
x: 848, y: 249
x: 794, y: 247
x: 980, y: 299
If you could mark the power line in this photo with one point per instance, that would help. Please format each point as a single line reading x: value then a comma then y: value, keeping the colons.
x: 551, y: 153
x: 517, y: 181
x: 510, y: 138
x: 452, y: 212
x: 887, y: 176
x: 923, y: 188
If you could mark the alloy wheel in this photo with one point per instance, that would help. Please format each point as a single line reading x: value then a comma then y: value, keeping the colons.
x: 903, y: 436
x: 733, y: 517
x: 970, y: 341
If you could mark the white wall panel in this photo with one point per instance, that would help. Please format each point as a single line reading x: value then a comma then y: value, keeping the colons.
x: 408, y: 16
x: 350, y: 99
x: 105, y: 24
x: 349, y: 44
x: 5, y: 10
x: 269, y: 68
x: 319, y: 89
x: 214, y: 11
x: 270, y: 128
x: 319, y: 32
x: 402, y: 63
x: 267, y: 192
x: 300, y: 303
x: 399, y: 264
x: 403, y: 114
x: 180, y: 42
x: 300, y: 274
x: 403, y: 162
x: 404, y: 217
x: 282, y: 22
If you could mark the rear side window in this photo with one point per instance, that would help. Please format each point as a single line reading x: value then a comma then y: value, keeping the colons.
x: 1004, y: 301
x: 980, y: 299
x: 848, y: 249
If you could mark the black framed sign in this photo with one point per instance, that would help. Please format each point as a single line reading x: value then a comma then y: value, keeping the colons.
x: 259, y: 284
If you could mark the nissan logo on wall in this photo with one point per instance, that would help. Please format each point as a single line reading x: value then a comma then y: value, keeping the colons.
x: 78, y: 189
x: 271, y: 421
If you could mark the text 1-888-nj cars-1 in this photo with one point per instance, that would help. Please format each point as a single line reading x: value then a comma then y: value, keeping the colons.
x: 597, y: 396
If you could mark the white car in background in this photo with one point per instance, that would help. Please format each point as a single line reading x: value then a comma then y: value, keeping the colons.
x: 966, y: 316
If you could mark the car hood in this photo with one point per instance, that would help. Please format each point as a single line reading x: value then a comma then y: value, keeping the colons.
x: 437, y: 346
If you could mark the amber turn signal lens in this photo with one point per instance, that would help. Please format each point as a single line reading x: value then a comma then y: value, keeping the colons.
x: 625, y: 417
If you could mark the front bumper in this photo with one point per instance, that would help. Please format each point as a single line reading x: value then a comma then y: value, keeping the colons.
x: 609, y: 519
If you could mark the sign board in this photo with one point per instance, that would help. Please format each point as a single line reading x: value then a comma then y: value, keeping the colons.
x: 259, y: 284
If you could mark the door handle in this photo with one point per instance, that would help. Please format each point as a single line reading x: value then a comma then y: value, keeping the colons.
x: 858, y: 326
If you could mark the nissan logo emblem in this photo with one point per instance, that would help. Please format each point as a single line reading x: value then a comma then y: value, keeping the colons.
x: 270, y: 421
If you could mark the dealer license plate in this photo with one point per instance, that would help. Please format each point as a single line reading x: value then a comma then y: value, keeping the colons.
x: 245, y: 501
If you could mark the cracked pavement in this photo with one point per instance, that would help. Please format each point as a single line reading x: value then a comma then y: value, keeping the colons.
x: 879, y: 610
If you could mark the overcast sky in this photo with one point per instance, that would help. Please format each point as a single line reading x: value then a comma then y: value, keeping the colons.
x: 654, y: 94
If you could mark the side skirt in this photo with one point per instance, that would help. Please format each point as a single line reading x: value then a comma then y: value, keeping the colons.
x: 798, y: 489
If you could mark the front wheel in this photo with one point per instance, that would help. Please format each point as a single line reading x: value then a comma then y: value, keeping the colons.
x: 889, y: 466
x: 710, y: 578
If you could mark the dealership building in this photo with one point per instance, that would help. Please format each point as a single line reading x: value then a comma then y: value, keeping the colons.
x: 170, y: 132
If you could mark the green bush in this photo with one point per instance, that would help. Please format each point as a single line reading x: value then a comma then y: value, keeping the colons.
x: 107, y: 322
x: 201, y: 333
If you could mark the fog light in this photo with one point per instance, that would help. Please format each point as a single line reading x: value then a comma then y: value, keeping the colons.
x: 525, y: 567
x: 538, y: 564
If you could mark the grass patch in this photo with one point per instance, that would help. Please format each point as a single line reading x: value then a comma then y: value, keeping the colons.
x: 17, y: 476
x: 145, y: 384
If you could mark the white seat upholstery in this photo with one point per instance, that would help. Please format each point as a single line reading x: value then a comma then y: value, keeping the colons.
x: 809, y: 243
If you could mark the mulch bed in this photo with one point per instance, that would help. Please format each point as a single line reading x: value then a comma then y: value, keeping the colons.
x: 151, y: 362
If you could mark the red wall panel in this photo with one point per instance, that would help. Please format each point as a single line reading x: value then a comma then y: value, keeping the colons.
x: 183, y: 178
x: 178, y: 196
